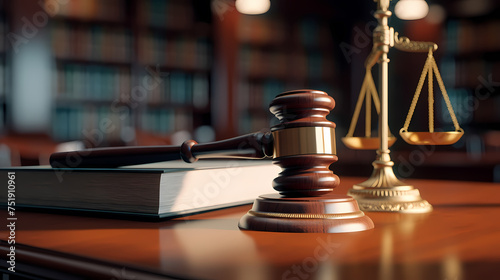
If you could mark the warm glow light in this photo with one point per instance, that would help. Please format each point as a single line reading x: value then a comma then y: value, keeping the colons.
x: 411, y: 9
x: 252, y: 7
x: 436, y: 14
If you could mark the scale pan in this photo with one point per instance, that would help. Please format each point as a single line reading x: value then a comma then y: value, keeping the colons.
x: 431, y: 138
x: 365, y: 143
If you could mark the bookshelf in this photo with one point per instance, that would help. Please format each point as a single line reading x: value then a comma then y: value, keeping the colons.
x: 128, y: 67
x: 471, y: 68
x: 277, y: 54
x: 125, y: 67
x: 4, y: 69
x: 176, y: 43
x: 92, y: 46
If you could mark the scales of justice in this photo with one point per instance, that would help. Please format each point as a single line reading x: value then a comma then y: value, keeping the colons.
x: 383, y: 191
x: 303, y: 145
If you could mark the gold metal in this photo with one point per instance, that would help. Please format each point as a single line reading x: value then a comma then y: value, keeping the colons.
x: 431, y: 138
x: 405, y: 44
x: 420, y: 206
x: 304, y: 141
x: 365, y: 143
x: 368, y: 92
x: 383, y: 191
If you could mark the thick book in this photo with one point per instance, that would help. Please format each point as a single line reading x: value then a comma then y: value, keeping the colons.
x: 161, y: 190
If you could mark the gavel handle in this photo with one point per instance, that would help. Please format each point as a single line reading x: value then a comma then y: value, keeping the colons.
x: 251, y: 146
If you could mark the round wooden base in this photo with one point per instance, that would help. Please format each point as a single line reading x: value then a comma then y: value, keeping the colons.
x: 329, y: 213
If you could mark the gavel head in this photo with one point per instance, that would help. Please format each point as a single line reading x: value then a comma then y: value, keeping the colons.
x: 304, y: 143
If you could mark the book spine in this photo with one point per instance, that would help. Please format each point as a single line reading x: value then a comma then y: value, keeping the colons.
x: 275, y: 56
x: 200, y: 91
x: 113, y: 11
x: 159, y: 121
x: 91, y: 42
x: 179, y: 52
x: 92, y: 82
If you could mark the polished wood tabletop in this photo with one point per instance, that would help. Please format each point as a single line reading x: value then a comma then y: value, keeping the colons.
x: 459, y: 239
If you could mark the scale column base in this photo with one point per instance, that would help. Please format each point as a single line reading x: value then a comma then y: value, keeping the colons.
x: 327, y: 214
x: 383, y: 192
x: 390, y: 200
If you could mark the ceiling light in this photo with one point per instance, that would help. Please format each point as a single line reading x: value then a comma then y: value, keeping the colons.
x: 411, y: 9
x: 252, y: 7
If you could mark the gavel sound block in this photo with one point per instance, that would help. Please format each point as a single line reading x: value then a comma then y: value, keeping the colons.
x: 303, y: 145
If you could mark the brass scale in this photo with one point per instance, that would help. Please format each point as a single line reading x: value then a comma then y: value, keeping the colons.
x: 383, y: 191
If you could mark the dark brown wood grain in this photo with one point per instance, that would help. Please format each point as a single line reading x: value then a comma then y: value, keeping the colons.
x: 306, y: 181
x: 251, y: 146
x: 331, y: 213
x: 304, y: 175
x: 304, y: 107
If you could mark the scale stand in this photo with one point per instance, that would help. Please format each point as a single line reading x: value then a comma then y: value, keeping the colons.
x: 383, y: 191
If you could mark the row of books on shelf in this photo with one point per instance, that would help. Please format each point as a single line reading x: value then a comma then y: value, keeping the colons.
x: 465, y: 36
x: 177, y: 52
x: 91, y: 42
x: 308, y: 32
x: 3, y: 72
x: 107, y: 83
x: 172, y: 14
x: 3, y: 33
x: 104, y: 123
x: 98, y: 123
x: 261, y: 30
x: 166, y: 121
x: 460, y: 99
x: 181, y: 88
x: 255, y: 96
x: 81, y: 82
x: 251, y: 122
x: 110, y: 10
x: 301, y: 65
x: 258, y: 95
x: 92, y: 82
x: 312, y: 33
x: 2, y: 118
x: 470, y: 73
x: 469, y: 107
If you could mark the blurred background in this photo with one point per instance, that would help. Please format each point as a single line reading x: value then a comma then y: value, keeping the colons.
x: 89, y: 73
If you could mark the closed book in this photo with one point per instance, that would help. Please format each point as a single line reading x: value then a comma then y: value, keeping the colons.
x: 161, y: 190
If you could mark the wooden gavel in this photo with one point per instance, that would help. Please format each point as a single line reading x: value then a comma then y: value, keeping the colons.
x: 303, y: 144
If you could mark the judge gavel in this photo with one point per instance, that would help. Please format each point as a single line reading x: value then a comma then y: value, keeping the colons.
x: 303, y: 144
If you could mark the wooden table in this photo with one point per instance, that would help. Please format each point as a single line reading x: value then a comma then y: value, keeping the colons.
x: 460, y: 239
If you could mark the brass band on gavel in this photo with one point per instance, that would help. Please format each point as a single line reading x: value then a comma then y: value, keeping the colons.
x: 304, y: 140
